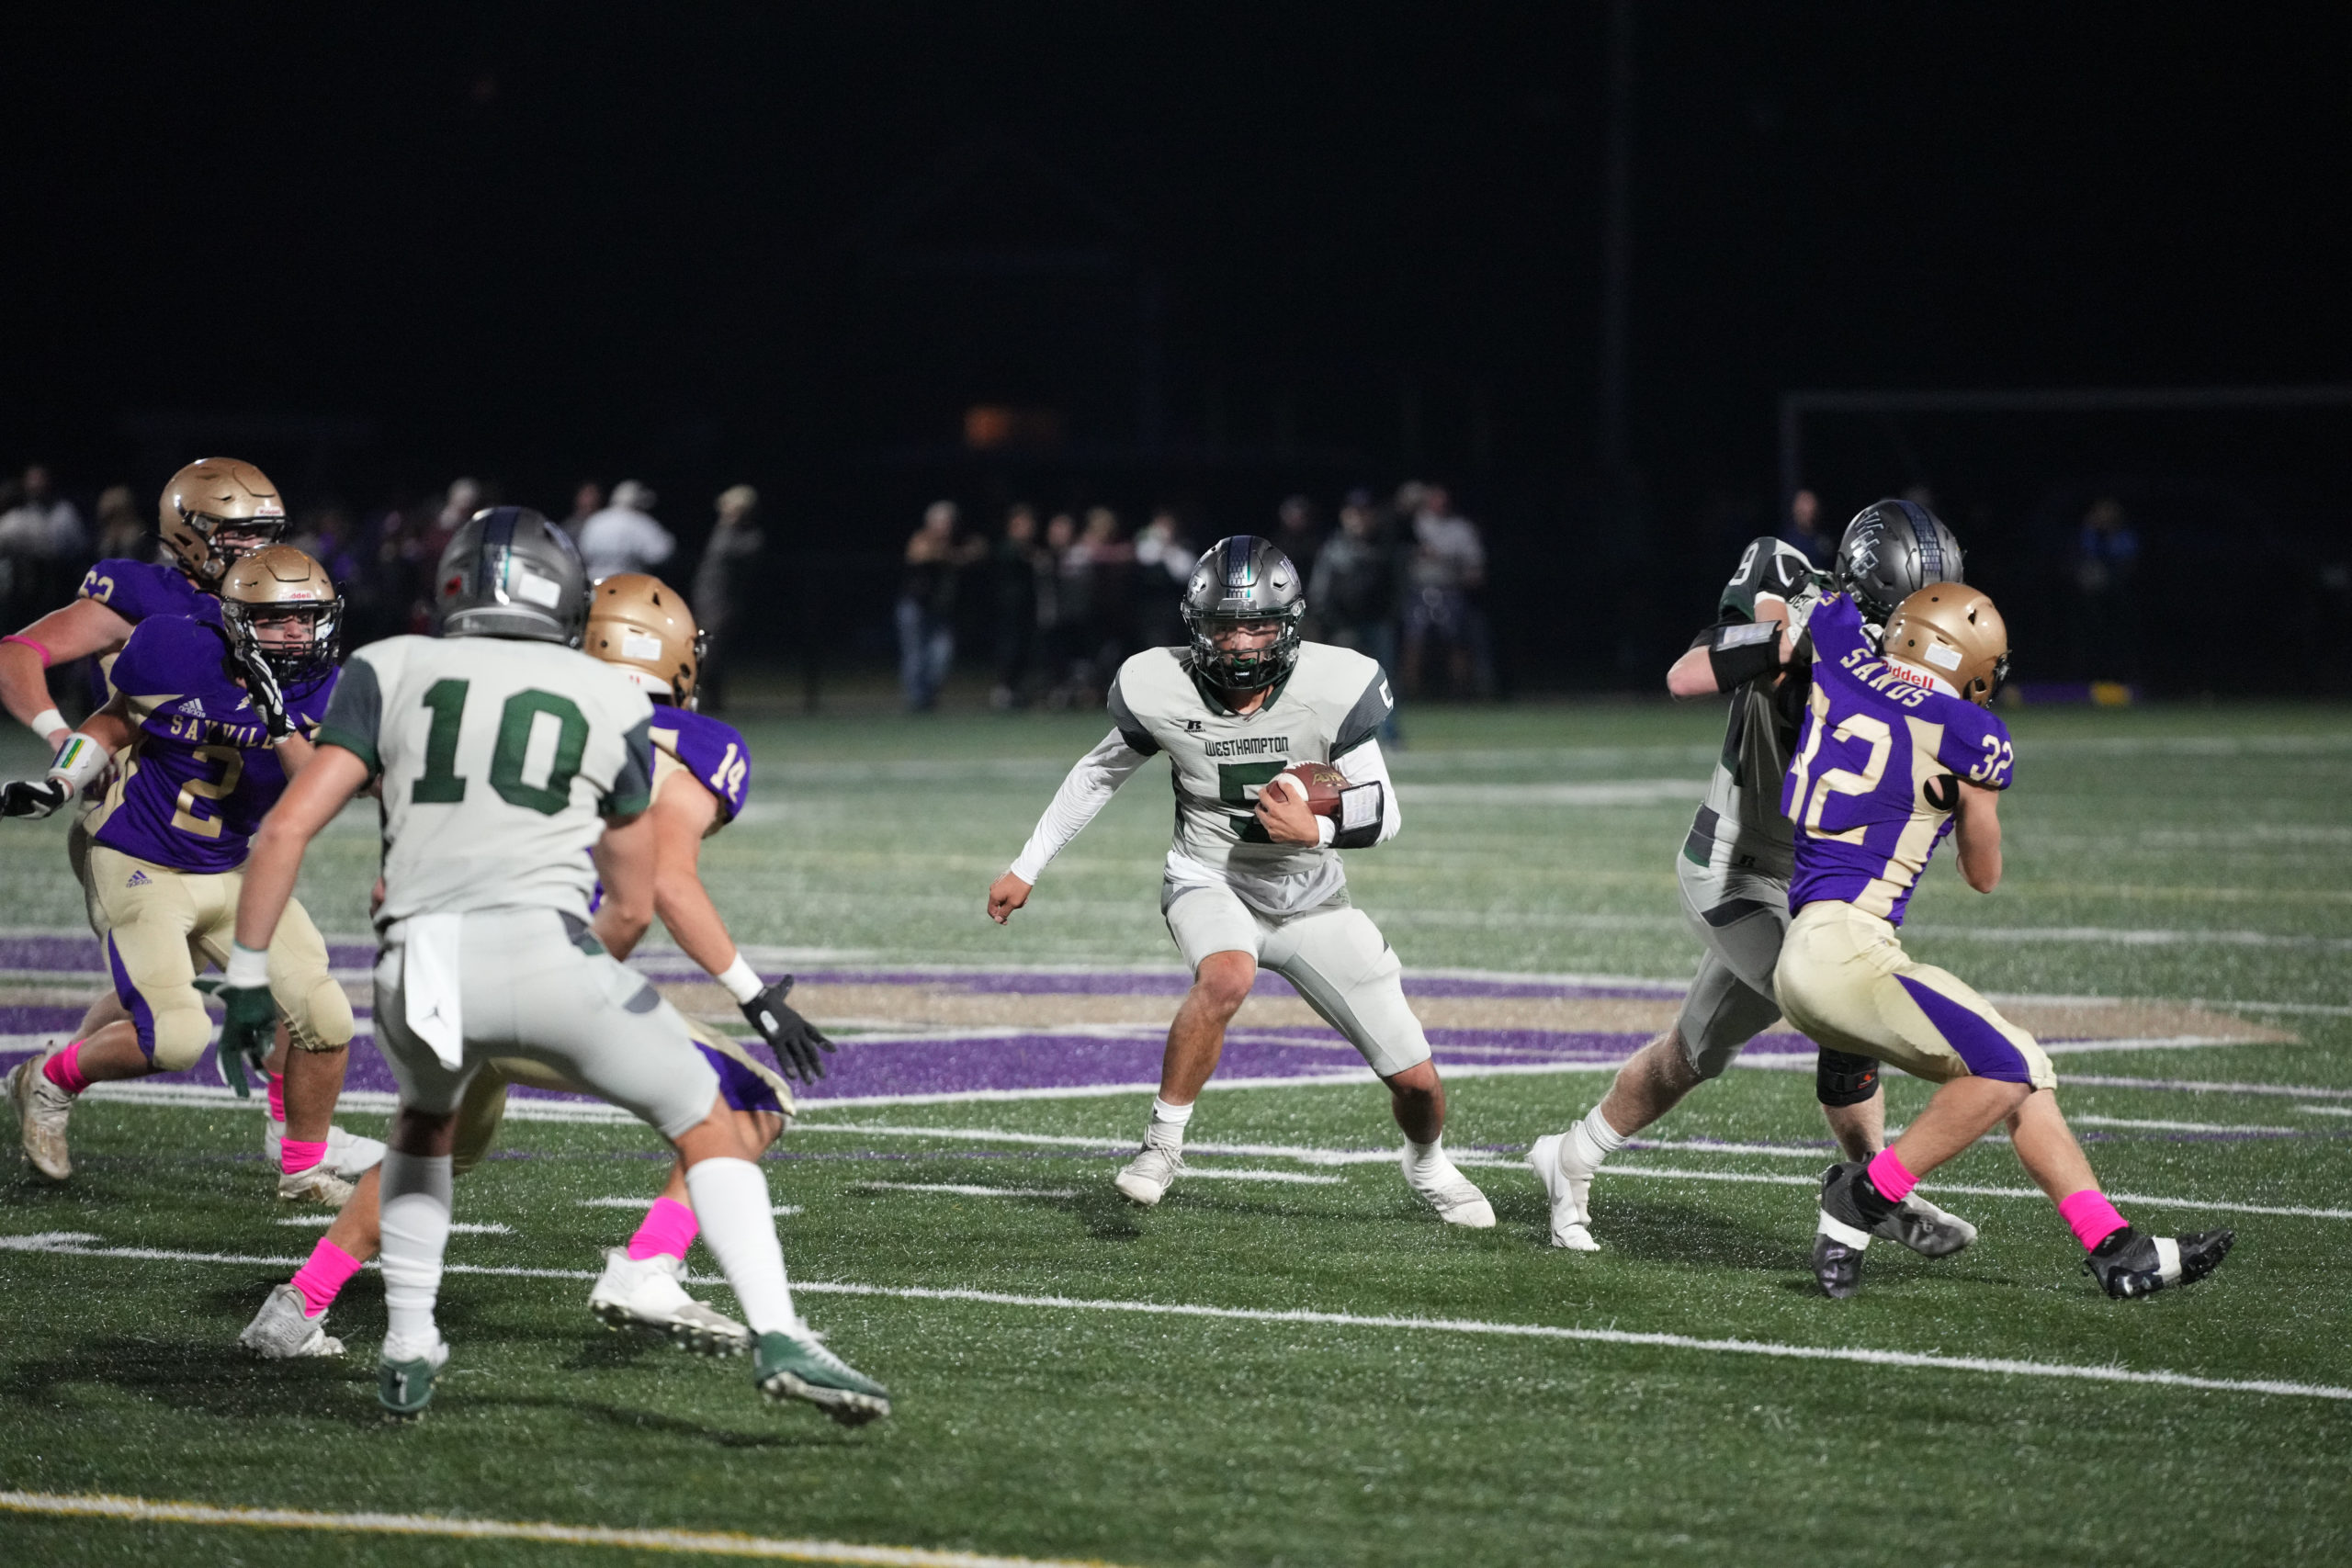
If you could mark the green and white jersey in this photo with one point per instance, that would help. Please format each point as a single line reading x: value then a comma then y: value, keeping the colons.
x: 501, y: 759
x: 1331, y: 703
x: 1740, y: 826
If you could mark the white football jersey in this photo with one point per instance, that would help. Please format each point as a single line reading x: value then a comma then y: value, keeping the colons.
x: 1332, y: 702
x: 500, y: 758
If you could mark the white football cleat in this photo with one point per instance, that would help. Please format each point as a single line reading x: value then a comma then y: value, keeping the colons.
x: 1567, y: 1181
x: 645, y: 1293
x: 1146, y: 1177
x: 42, y: 1109
x: 281, y: 1331
x: 1450, y: 1193
x: 316, y: 1185
x: 349, y: 1156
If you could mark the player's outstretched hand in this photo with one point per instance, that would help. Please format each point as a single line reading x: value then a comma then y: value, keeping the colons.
x: 246, y: 1033
x: 1283, y: 812
x: 33, y: 798
x: 262, y: 688
x: 793, y: 1038
x: 1006, y: 894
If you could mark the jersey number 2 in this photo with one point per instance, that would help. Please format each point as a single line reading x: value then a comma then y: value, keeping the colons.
x: 440, y: 785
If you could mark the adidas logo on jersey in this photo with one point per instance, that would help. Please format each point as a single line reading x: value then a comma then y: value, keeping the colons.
x: 193, y: 707
x: 138, y: 879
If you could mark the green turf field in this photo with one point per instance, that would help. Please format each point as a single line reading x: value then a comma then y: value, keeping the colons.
x: 2197, y: 855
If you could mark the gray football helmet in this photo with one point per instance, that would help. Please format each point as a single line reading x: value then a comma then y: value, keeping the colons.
x: 510, y: 573
x: 1891, y: 550
x: 1241, y: 579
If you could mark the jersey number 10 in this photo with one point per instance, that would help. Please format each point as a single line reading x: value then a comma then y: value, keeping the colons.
x: 440, y: 785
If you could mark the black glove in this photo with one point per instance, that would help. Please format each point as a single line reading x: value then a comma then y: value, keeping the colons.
x: 262, y: 688
x: 793, y: 1038
x: 246, y: 1035
x: 33, y: 798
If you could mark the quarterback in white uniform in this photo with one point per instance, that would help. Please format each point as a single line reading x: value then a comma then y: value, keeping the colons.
x: 506, y: 756
x: 1253, y: 878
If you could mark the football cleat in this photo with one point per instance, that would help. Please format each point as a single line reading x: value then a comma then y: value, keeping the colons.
x: 646, y: 1294
x: 1446, y: 1190
x: 1925, y: 1229
x: 1567, y: 1181
x: 349, y: 1156
x: 1843, y: 1232
x: 316, y: 1185
x: 798, y: 1366
x: 282, y: 1331
x: 1146, y: 1177
x: 2128, y: 1265
x: 405, y: 1375
x: 42, y: 1109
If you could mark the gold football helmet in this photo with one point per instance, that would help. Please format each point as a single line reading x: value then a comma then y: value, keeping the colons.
x: 213, y: 496
x: 1954, y: 630
x: 279, y: 585
x: 641, y: 623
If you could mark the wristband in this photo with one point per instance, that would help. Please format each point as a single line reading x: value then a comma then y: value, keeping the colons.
x: 47, y: 658
x: 47, y: 722
x: 743, y: 982
x: 78, y: 761
x: 1742, y: 653
x: 248, y: 970
x: 1362, y: 808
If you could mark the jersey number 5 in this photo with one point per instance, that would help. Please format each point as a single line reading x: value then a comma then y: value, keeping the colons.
x: 1233, y: 783
x: 440, y: 785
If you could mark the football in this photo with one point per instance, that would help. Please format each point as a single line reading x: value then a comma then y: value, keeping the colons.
x: 1319, y: 782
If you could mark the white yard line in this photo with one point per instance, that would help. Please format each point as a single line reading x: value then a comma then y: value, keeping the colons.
x: 76, y: 1245
x: 2158, y: 1124
x: 2201, y: 1086
x: 690, y: 1543
x: 644, y: 1202
x: 965, y: 1190
x: 457, y: 1227
x: 2326, y: 1109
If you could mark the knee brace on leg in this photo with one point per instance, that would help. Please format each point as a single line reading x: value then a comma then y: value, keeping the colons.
x: 1841, y: 1077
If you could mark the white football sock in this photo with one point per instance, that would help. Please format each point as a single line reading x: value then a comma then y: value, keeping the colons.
x: 415, y: 1226
x: 1166, y: 1127
x: 1594, y: 1138
x: 731, y: 1200
x: 1423, y: 1161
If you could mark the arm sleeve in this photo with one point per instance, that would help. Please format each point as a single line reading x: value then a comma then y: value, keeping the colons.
x: 1086, y: 791
x: 1365, y: 767
x: 355, y: 715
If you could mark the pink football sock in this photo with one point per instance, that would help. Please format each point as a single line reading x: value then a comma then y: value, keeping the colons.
x: 321, y: 1278
x: 2093, y: 1217
x: 295, y: 1155
x: 277, y: 1098
x: 64, y: 1069
x: 670, y: 1228
x: 1891, y: 1177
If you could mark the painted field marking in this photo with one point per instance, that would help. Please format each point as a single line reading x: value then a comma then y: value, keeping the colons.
x: 691, y: 1543
x: 1594, y: 792
x: 645, y: 1202
x: 457, y: 1227
x: 966, y: 1189
x: 2149, y: 1042
x: 76, y: 1245
x: 2326, y: 1109
x: 2158, y: 1124
x: 2203, y: 1085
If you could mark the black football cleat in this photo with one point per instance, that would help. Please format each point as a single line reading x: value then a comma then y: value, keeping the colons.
x: 1843, y: 1233
x: 2128, y: 1265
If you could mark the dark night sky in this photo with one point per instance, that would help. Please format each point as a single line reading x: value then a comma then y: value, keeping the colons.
x: 544, y: 241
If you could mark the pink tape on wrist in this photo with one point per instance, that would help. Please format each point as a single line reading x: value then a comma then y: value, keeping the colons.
x: 47, y: 658
x: 278, y: 1097
x: 1892, y: 1177
x: 64, y: 1069
x: 321, y: 1278
x: 669, y: 1229
x: 295, y: 1155
x: 2092, y: 1216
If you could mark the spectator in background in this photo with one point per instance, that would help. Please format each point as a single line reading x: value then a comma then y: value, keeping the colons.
x: 1015, y: 571
x: 927, y: 605
x: 1448, y: 566
x: 1299, y: 535
x: 1111, y: 563
x: 326, y: 537
x: 1355, y: 588
x: 734, y: 540
x: 1164, y: 562
x: 42, y: 544
x: 461, y: 501
x: 586, y: 502
x: 122, y: 527
x: 624, y: 536
x: 1802, y: 529
x: 2107, y: 559
x: 1065, y: 604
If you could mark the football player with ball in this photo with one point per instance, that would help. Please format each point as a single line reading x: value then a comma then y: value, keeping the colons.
x: 1272, y: 744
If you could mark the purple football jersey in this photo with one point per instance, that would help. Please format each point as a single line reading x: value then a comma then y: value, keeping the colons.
x: 1874, y: 746
x: 138, y: 590
x: 711, y: 751
x: 202, y: 774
